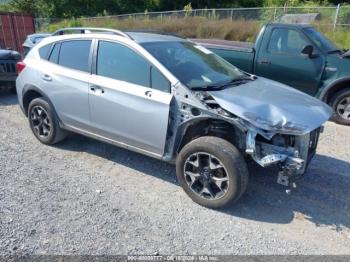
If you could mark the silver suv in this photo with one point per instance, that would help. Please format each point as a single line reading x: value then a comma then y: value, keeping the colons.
x: 172, y: 99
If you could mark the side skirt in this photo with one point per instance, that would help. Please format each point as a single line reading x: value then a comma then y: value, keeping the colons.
x: 111, y: 141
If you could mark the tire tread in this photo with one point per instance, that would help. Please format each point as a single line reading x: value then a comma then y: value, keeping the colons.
x: 230, y: 152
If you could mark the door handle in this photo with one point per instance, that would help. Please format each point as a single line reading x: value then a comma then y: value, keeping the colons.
x: 96, y: 89
x: 47, y: 78
x: 265, y: 62
x: 148, y: 93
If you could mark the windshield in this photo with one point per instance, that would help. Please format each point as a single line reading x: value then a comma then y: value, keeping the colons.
x: 194, y: 65
x: 320, y: 40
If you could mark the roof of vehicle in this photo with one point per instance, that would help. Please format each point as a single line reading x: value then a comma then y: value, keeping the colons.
x: 139, y: 36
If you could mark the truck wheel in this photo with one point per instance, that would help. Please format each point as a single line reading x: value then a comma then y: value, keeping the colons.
x: 212, y: 172
x: 44, y: 123
x: 340, y: 103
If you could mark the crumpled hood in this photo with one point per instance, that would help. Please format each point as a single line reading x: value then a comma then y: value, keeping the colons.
x: 346, y: 54
x: 273, y: 106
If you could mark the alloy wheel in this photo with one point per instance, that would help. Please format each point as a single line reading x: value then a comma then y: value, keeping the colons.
x: 41, y: 123
x: 206, y: 176
x: 343, y: 108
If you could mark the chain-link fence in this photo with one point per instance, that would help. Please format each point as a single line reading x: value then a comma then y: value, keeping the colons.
x: 330, y: 15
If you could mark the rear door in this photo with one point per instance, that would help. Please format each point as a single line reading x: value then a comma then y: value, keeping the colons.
x: 65, y: 79
x: 129, y: 98
x: 280, y: 59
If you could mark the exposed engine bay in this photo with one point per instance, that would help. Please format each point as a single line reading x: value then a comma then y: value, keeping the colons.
x: 289, y: 146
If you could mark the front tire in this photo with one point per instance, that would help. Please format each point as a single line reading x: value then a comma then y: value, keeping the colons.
x: 212, y: 172
x: 44, y: 123
x: 340, y: 103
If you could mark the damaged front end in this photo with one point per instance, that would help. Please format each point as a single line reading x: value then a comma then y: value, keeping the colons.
x: 290, y: 153
x: 273, y: 124
x: 282, y: 124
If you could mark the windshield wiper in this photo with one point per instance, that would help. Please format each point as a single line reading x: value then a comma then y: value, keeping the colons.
x: 219, y: 86
x: 335, y: 51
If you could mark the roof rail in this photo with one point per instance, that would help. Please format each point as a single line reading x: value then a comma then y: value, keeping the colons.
x: 89, y: 30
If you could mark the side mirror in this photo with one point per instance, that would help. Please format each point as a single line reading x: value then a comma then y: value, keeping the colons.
x: 308, y: 51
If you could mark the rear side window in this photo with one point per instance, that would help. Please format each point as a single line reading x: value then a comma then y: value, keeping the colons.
x: 75, y: 54
x: 44, y: 51
x: 121, y: 63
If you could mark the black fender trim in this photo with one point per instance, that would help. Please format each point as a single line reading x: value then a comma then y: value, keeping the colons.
x: 29, y: 88
x: 324, y: 93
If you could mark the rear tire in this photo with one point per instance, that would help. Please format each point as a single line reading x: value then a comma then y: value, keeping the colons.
x: 221, y: 176
x: 44, y: 122
x: 340, y: 103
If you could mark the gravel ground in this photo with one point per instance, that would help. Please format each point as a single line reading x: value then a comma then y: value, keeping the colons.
x: 87, y: 197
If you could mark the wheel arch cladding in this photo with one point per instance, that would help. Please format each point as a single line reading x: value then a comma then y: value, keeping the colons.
x: 28, y: 96
x: 32, y: 92
x: 334, y: 88
x: 204, y: 127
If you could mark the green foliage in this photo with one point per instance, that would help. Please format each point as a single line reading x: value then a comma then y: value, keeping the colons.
x: 211, y: 26
x: 293, y: 3
x: 340, y: 36
x: 68, y: 8
x: 79, y: 8
x: 344, y: 15
x: 188, y: 9
x: 64, y: 23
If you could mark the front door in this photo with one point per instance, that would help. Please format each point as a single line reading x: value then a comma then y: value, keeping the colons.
x: 282, y: 61
x: 124, y: 105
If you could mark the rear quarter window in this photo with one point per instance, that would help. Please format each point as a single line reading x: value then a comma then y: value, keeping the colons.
x: 54, y: 53
x: 44, y: 51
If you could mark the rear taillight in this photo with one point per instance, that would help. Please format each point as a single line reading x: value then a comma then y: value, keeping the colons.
x: 20, y: 66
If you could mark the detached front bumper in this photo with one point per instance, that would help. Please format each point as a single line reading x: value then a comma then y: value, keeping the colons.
x: 292, y: 160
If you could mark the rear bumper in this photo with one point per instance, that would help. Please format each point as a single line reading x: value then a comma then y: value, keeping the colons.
x: 19, y: 88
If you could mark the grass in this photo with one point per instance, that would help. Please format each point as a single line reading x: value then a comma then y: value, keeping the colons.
x: 192, y: 27
x: 341, y: 37
x: 196, y: 27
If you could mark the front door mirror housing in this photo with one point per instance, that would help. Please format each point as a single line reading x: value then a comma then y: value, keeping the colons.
x: 308, y: 51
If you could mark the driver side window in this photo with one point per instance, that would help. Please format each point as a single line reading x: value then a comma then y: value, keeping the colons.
x: 287, y: 41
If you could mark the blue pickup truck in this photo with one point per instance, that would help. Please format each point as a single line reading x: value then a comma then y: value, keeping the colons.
x: 296, y: 55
